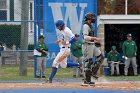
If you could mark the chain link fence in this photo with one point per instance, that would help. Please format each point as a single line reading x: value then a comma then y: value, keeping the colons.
x: 16, y: 37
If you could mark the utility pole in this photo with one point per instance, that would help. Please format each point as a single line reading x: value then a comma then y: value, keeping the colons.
x: 24, y: 37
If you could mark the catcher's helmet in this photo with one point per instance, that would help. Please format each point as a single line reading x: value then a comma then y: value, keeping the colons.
x: 90, y: 16
x: 59, y: 23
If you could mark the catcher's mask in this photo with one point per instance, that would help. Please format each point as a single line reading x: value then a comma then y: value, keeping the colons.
x: 90, y: 16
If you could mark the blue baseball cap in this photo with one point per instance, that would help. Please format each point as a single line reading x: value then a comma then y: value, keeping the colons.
x: 59, y: 23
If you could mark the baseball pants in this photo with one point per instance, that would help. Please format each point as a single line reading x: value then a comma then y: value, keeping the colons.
x: 61, y: 58
x: 113, y: 66
x: 77, y: 71
x: 41, y: 66
x: 134, y: 64
x: 91, y: 50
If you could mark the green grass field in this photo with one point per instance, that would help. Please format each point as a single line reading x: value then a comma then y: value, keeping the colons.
x: 12, y: 73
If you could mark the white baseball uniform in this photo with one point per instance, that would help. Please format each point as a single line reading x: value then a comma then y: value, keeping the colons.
x: 61, y: 57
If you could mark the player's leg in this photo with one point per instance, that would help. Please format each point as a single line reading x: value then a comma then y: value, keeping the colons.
x: 65, y: 53
x: 88, y: 55
x: 88, y: 72
x: 80, y: 61
x: 127, y: 63
x: 43, y: 67
x: 112, y: 68
x: 54, y: 67
x: 75, y: 70
x: 87, y: 76
x: 117, y: 68
x: 99, y: 60
x: 134, y: 64
x: 66, y: 64
x: 72, y: 64
x: 53, y: 73
x: 39, y: 61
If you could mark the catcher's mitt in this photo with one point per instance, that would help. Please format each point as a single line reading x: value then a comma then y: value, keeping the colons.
x: 97, y: 44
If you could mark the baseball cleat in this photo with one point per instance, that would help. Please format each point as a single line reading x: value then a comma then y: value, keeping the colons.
x: 95, y: 76
x: 48, y: 81
x: 88, y: 84
x: 43, y: 77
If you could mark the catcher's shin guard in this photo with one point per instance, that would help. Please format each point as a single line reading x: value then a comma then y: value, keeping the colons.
x: 95, y: 68
x: 87, y: 70
x: 90, y: 63
x: 87, y: 76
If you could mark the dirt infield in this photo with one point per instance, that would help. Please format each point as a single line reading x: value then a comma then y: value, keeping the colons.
x: 124, y: 85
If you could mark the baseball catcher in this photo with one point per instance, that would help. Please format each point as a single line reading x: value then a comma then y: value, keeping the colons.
x: 91, y: 49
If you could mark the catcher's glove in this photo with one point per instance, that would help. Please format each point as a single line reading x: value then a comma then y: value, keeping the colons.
x: 91, y: 33
x: 97, y: 44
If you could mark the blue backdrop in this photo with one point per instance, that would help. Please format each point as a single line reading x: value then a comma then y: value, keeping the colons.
x: 72, y: 12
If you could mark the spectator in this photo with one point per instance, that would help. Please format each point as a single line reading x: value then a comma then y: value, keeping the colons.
x: 41, y: 60
x: 77, y: 56
x: 114, y: 59
x: 129, y: 50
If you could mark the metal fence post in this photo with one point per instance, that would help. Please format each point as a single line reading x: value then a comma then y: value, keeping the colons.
x: 35, y: 37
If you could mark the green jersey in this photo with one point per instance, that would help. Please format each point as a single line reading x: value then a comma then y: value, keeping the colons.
x: 113, y: 56
x: 129, y: 48
x: 76, y: 49
x: 41, y: 47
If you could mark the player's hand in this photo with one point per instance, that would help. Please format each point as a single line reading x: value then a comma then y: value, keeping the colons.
x: 63, y: 42
x: 98, y: 39
x: 44, y: 51
x: 58, y: 41
x: 119, y: 62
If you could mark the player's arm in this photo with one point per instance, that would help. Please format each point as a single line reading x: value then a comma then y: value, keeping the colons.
x: 79, y: 45
x: 72, y: 40
x: 58, y: 41
x: 38, y: 48
x: 108, y: 57
x: 118, y: 57
x: 86, y: 36
x: 45, y: 49
x: 135, y: 47
x: 124, y: 49
x: 71, y: 36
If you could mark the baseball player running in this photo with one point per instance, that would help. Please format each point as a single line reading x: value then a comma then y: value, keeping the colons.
x: 91, y: 49
x: 64, y: 43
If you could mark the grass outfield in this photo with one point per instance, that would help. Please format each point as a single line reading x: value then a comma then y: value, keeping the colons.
x: 12, y: 73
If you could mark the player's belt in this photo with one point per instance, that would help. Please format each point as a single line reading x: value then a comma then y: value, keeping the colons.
x: 65, y: 47
x: 90, y: 43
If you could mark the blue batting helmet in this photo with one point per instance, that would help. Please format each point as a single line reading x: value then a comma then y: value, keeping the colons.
x: 59, y: 23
